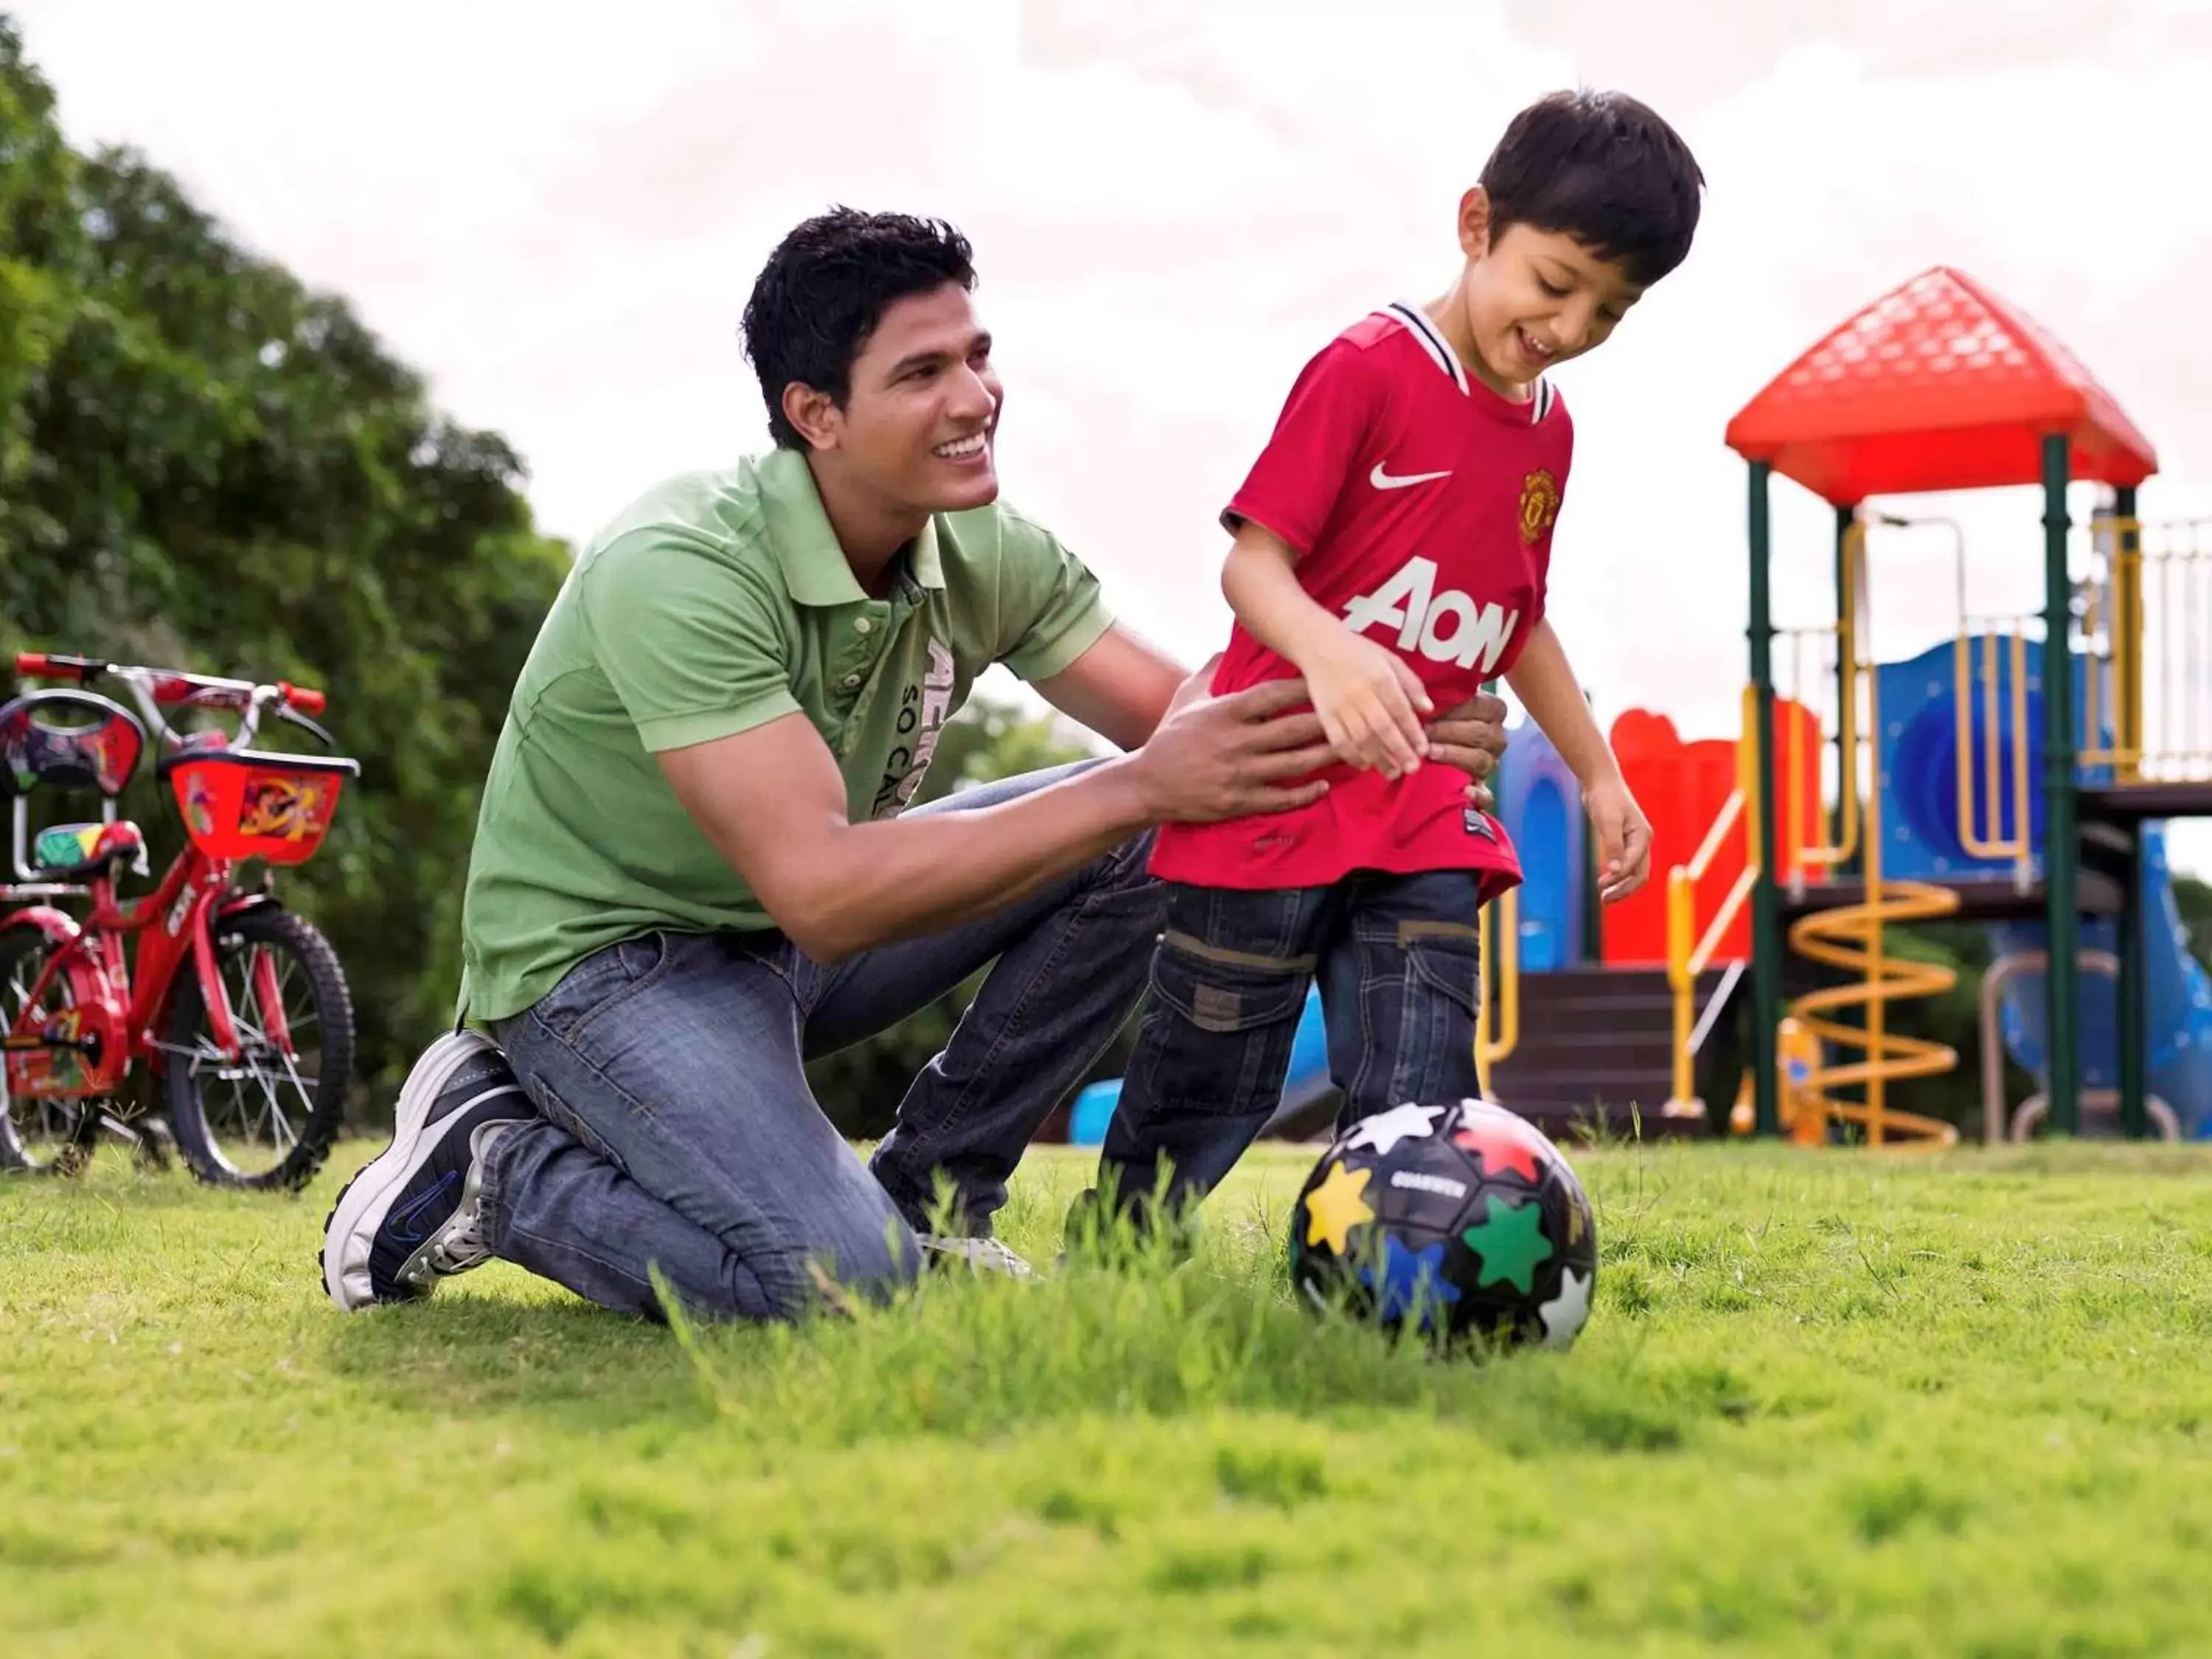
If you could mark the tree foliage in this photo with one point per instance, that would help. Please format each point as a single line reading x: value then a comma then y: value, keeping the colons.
x: 205, y: 464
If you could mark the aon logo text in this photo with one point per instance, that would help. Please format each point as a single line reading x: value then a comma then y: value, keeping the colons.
x: 1446, y: 627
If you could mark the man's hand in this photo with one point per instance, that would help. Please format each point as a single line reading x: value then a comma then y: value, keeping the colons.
x: 1471, y: 737
x: 1232, y: 757
x: 1196, y: 687
x: 1624, y: 839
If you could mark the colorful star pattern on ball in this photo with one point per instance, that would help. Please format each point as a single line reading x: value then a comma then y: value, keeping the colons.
x: 1565, y: 1314
x: 1409, y: 1278
x: 1503, y: 1142
x: 1510, y: 1244
x: 1336, y: 1206
x: 1385, y: 1130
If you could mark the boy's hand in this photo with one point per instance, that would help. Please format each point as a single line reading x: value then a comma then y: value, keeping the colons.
x: 1370, y: 704
x: 1624, y: 839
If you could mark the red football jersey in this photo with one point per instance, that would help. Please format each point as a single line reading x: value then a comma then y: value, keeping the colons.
x: 1420, y: 503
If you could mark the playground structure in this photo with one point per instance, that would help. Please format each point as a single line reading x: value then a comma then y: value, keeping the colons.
x: 2017, y: 776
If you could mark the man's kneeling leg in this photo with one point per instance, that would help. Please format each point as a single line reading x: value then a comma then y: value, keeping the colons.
x: 676, y: 1132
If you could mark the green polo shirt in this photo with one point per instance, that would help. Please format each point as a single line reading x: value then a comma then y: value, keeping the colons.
x: 718, y: 602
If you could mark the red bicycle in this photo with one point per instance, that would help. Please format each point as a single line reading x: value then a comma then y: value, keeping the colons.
x: 253, y: 1040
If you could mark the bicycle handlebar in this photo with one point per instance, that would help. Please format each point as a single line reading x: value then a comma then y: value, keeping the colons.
x: 153, y: 688
x: 45, y: 665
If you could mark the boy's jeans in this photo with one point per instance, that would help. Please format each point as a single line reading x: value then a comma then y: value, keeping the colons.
x: 676, y: 1129
x: 1399, y: 963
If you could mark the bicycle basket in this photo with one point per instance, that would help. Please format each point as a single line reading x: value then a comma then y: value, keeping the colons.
x: 245, y: 803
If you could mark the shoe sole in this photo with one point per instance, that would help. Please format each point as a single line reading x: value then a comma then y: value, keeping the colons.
x: 349, y: 1229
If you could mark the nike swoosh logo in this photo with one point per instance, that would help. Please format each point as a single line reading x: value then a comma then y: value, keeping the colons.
x: 1382, y: 480
x: 406, y: 1224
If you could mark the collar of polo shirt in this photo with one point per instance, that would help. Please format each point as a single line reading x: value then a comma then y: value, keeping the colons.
x: 815, y: 570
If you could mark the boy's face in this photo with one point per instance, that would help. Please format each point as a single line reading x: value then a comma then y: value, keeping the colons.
x: 1536, y: 298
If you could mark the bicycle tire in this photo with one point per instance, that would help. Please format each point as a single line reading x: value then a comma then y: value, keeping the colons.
x: 197, y: 1142
x: 73, y: 1149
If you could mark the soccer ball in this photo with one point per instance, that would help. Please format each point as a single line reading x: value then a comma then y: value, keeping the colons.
x: 1450, y: 1219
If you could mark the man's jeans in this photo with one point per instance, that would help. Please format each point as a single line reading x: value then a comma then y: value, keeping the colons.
x: 1400, y: 967
x: 676, y: 1129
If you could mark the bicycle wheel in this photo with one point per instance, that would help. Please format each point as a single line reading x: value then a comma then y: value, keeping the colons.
x: 266, y: 1119
x: 37, y: 1137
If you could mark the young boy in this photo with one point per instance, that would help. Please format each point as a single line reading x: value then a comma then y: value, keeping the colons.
x: 1391, y: 545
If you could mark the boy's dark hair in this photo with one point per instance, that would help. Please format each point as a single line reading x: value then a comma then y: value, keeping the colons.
x: 1604, y: 169
x: 826, y: 287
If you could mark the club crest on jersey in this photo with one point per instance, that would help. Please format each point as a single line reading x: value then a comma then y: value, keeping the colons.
x: 1540, y: 504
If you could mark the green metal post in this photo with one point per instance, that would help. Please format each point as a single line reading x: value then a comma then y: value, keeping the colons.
x: 2135, y: 1006
x: 1765, y: 907
x: 1846, y: 765
x: 2061, y: 844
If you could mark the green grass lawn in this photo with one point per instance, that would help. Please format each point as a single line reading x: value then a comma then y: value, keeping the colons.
x: 1826, y: 1404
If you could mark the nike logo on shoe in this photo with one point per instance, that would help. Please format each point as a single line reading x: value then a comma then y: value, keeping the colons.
x: 414, y: 1221
x: 1382, y: 480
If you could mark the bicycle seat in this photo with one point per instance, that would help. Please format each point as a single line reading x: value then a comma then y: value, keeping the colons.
x: 79, y: 852
x: 98, y: 748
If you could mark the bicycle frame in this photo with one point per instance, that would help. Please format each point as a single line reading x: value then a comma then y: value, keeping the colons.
x: 117, y: 1004
x: 174, y: 923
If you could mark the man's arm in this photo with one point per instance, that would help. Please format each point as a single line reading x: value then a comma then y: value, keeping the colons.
x: 836, y: 888
x: 1121, y: 688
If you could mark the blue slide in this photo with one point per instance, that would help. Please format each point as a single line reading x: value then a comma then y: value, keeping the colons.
x: 1920, y: 839
x: 2178, y: 1066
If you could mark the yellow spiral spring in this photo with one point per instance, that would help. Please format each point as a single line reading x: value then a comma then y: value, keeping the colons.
x: 1849, y: 938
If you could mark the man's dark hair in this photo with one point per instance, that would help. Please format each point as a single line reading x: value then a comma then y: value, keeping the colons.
x: 1604, y: 169
x: 826, y: 287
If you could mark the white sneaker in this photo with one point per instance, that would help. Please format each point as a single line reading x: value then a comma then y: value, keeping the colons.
x: 409, y: 1217
x: 982, y: 1255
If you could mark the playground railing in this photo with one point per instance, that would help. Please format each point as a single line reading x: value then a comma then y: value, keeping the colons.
x: 1501, y: 974
x: 1796, y: 851
x: 2147, y: 622
x: 1981, y: 794
x: 1689, y: 955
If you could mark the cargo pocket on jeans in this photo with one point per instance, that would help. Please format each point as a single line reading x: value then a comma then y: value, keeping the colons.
x: 1442, y: 987
x: 1231, y: 1019
x: 1445, y: 958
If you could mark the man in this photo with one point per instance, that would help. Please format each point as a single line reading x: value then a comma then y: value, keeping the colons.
x: 691, y: 872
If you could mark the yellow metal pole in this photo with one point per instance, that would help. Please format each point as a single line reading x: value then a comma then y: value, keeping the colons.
x: 1876, y: 1006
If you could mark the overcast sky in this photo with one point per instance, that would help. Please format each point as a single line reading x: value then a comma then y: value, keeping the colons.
x: 556, y: 212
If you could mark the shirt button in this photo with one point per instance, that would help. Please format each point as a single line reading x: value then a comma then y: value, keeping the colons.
x: 851, y: 680
x: 862, y: 625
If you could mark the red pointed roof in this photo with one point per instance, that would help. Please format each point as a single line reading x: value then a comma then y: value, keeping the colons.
x: 1938, y: 385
